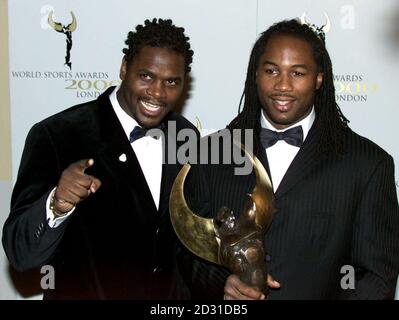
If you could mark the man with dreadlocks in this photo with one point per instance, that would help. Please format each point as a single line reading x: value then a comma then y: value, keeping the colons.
x: 335, y: 232
x: 91, y: 198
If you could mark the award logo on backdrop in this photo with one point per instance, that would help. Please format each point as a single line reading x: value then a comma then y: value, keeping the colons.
x: 348, y: 87
x: 82, y: 84
x: 325, y: 28
x: 67, y: 30
x: 353, y: 88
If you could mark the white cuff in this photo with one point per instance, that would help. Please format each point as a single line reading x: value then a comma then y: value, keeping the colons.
x: 51, y: 220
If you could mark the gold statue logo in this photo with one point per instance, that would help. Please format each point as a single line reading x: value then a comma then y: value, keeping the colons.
x: 67, y: 30
x: 320, y: 31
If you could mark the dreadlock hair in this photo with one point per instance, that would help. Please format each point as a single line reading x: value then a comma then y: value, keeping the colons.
x: 161, y: 34
x: 329, y: 118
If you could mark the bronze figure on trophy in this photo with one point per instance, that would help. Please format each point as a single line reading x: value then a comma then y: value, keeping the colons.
x: 237, y: 243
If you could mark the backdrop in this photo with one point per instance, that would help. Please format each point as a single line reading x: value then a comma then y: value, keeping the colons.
x: 363, y: 42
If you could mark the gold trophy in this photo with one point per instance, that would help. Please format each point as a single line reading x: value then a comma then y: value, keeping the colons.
x: 235, y: 243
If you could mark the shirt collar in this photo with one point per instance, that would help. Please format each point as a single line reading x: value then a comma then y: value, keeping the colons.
x: 306, y: 123
x: 127, y: 122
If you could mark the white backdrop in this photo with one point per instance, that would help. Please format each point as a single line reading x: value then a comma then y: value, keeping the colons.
x: 363, y: 43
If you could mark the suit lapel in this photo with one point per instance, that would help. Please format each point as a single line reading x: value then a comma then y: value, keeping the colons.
x: 168, y: 173
x: 303, y: 163
x: 169, y: 170
x: 119, y: 154
x: 260, y: 152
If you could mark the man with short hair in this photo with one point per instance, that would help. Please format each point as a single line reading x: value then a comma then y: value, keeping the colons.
x: 91, y: 198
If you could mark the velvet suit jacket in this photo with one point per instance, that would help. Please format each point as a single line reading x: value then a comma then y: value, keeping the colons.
x: 116, y: 244
x: 331, y: 211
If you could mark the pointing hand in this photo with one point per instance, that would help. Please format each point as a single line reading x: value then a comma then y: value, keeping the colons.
x: 74, y: 186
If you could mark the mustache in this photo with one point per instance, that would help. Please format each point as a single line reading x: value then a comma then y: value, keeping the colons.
x: 282, y: 95
x: 151, y: 101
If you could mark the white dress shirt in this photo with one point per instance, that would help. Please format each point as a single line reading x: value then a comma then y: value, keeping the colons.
x: 281, y: 154
x: 149, y: 154
x: 147, y: 149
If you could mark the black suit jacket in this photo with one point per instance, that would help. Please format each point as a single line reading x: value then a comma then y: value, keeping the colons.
x: 116, y: 245
x: 331, y: 211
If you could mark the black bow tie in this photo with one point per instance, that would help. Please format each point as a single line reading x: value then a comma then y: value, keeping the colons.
x: 293, y: 136
x: 139, y: 132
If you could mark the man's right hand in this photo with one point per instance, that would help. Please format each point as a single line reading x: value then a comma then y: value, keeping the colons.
x: 75, y: 186
x: 235, y: 289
